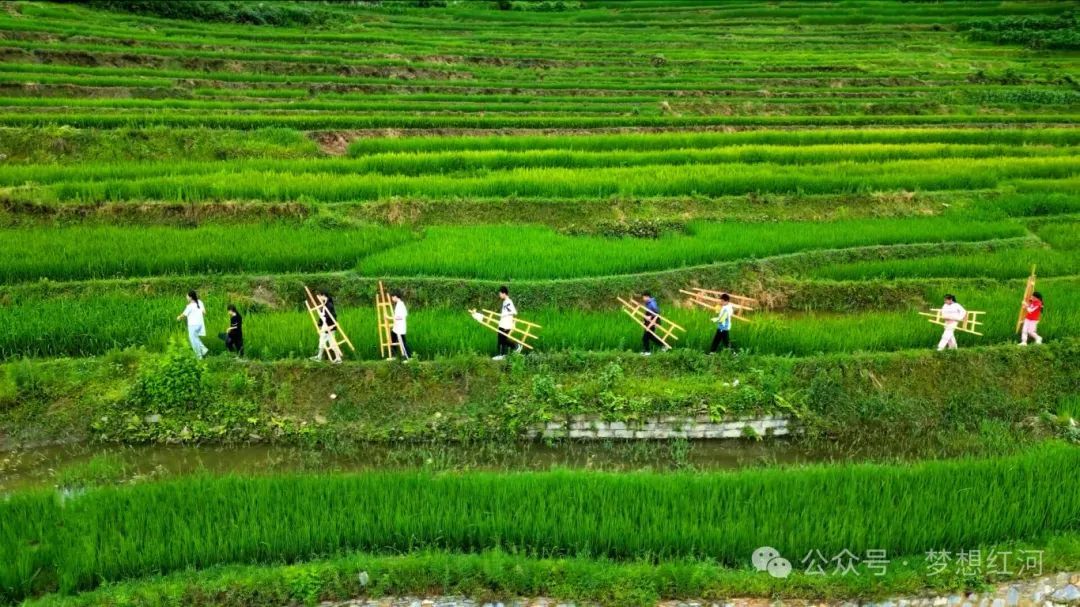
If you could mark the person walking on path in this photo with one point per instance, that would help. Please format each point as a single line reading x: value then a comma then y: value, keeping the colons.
x: 1032, y: 314
x: 327, y: 328
x: 196, y: 326
x: 234, y: 335
x: 951, y: 313
x: 507, y: 314
x: 399, y: 327
x: 651, y: 318
x: 723, y: 324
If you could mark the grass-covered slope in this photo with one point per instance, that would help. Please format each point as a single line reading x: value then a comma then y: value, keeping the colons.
x: 846, y: 164
x: 199, y: 522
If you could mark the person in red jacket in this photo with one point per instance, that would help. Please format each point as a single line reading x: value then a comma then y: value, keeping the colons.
x: 1032, y: 314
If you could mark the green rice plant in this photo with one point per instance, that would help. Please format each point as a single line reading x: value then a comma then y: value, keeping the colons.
x: 1009, y: 263
x: 481, y: 162
x: 26, y: 520
x: 307, y: 121
x: 522, y: 252
x: 336, y: 105
x: 638, y: 181
x: 495, y: 252
x: 1069, y: 408
x: 1060, y: 260
x: 496, y: 573
x: 82, y: 252
x: 105, y: 468
x: 122, y: 533
x: 1034, y: 198
x: 1061, y: 234
x: 660, y: 141
x: 1041, y: 100
x: 69, y: 146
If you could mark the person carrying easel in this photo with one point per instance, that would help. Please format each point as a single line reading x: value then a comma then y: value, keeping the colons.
x: 327, y: 327
x: 397, y: 332
x: 1032, y: 313
x: 723, y: 324
x: 651, y: 322
x: 951, y: 315
x: 507, y: 313
x: 513, y: 333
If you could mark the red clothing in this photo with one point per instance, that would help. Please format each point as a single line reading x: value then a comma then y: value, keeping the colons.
x: 1034, y: 309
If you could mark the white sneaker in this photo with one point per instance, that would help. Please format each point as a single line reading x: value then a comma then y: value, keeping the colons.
x: 390, y: 359
x: 518, y: 349
x: 316, y: 358
x: 499, y: 357
x: 646, y: 353
x: 666, y: 348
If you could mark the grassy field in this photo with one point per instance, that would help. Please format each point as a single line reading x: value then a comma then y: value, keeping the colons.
x: 179, y: 525
x: 847, y: 164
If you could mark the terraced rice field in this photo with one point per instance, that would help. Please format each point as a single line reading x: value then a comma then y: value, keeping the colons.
x: 844, y: 163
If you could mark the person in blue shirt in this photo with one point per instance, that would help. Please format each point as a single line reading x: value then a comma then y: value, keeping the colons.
x: 651, y: 319
x: 723, y: 324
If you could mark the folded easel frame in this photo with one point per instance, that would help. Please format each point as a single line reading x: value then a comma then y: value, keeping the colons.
x: 710, y: 300
x: 521, y: 332
x: 663, y: 330
x: 384, y: 314
x: 1028, y: 290
x: 969, y: 324
x: 315, y: 311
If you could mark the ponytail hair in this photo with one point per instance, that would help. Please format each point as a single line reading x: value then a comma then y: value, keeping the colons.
x: 194, y: 296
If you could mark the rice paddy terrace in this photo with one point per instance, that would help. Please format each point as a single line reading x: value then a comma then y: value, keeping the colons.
x: 844, y: 163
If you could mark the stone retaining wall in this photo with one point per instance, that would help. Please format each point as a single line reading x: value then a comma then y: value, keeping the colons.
x: 1058, y: 590
x: 700, y: 427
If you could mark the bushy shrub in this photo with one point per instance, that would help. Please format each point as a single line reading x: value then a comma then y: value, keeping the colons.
x: 176, y: 383
x: 229, y: 11
x: 24, y: 381
x: 538, y: 5
x: 1034, y: 32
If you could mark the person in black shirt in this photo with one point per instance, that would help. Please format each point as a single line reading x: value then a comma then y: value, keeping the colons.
x: 234, y: 337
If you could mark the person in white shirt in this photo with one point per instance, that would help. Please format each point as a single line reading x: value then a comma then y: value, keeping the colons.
x: 196, y: 326
x: 506, y: 323
x: 327, y: 330
x: 397, y: 330
x: 723, y: 324
x: 952, y: 313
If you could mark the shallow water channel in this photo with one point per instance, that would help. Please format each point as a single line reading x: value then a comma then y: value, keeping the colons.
x: 67, y: 465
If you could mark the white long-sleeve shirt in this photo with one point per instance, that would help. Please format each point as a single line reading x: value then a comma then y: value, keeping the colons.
x: 507, y: 314
x: 953, y: 313
x: 194, y: 314
x: 401, y: 314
